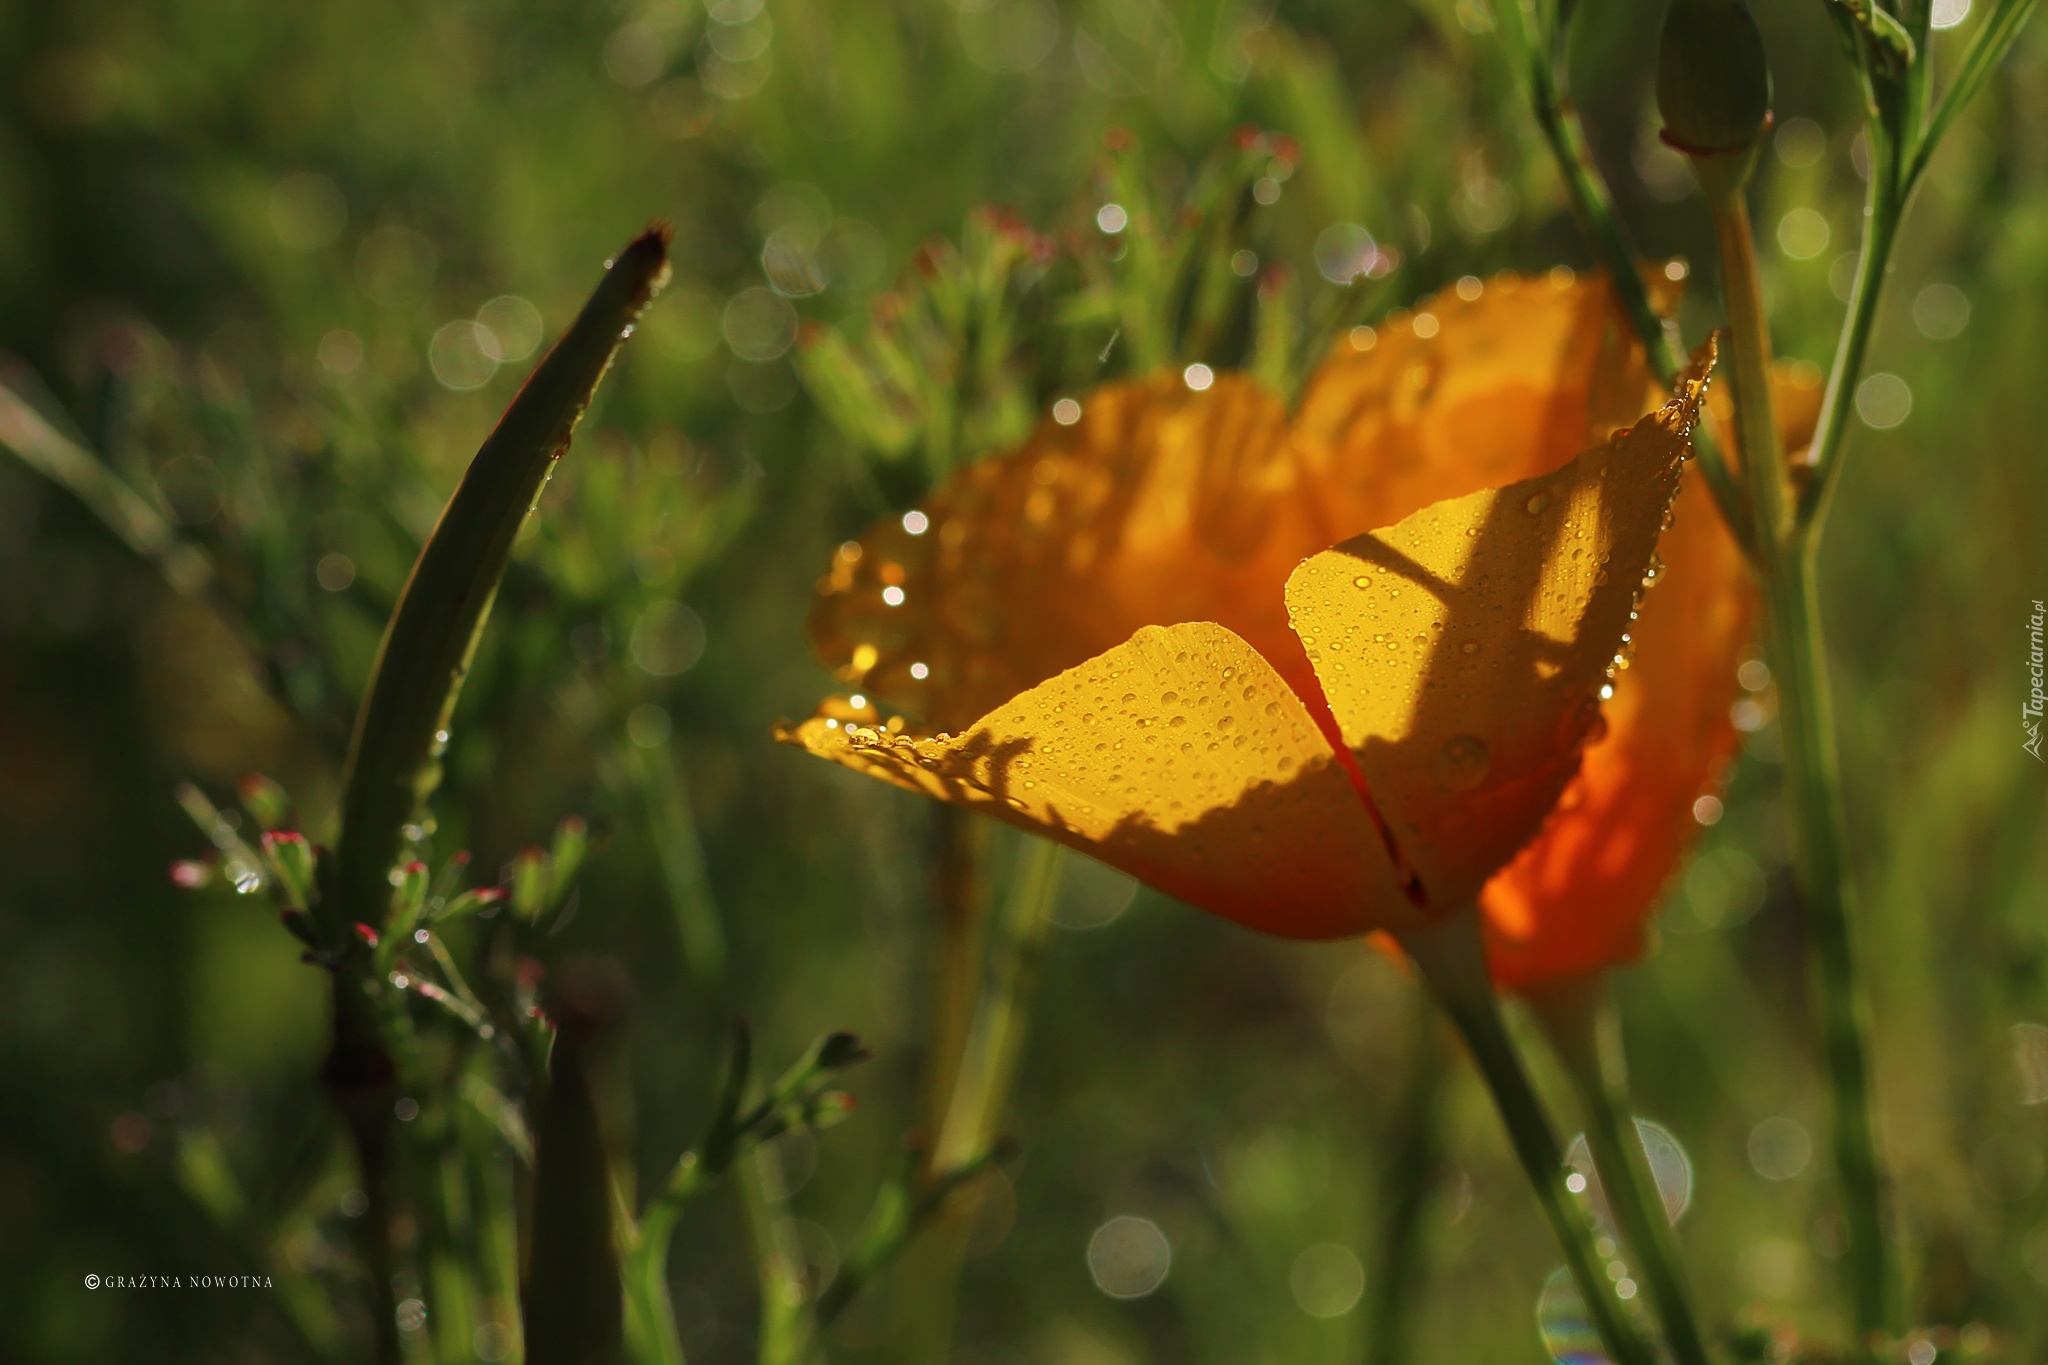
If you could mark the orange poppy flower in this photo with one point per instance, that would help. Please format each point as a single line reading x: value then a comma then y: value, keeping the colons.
x: 1110, y: 636
x: 1576, y: 897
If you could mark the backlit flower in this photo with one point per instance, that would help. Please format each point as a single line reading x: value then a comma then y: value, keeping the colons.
x: 1110, y: 635
x: 1576, y: 898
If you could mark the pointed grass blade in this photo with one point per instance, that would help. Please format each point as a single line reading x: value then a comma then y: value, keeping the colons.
x: 572, y: 1297
x: 430, y: 638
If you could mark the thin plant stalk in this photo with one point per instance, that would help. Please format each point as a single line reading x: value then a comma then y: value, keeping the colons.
x: 1002, y: 1016
x: 672, y: 822
x: 778, y: 1258
x: 1882, y: 210
x: 962, y: 900
x: 1407, y: 1183
x: 1452, y: 958
x: 1542, y: 57
x: 980, y: 1096
x: 1813, y: 778
x: 1578, y: 1016
x: 786, y: 1332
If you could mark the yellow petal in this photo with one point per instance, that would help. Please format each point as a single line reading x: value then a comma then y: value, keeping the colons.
x: 1463, y: 649
x: 1178, y: 756
x: 1473, y: 389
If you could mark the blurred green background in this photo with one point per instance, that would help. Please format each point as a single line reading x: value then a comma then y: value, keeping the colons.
x: 282, y: 265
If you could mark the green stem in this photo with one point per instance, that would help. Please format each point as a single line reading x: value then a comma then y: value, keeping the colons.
x: 1749, y: 355
x: 962, y: 901
x: 1578, y: 1016
x: 988, y: 1065
x: 1452, y: 958
x: 360, y: 1076
x: 1543, y: 57
x: 980, y: 1096
x: 778, y: 1259
x: 1881, y: 215
x: 1813, y: 778
x: 672, y: 822
x: 1406, y: 1187
x: 1806, y: 718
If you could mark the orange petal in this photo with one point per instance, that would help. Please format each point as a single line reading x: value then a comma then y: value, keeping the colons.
x: 1180, y: 757
x: 1575, y: 898
x: 1469, y: 393
x: 1463, y: 650
x: 1162, y: 504
x: 1159, y: 505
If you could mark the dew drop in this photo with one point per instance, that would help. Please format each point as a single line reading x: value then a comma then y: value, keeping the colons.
x: 1536, y: 503
x: 1461, y: 764
x: 1362, y: 581
x: 1469, y: 647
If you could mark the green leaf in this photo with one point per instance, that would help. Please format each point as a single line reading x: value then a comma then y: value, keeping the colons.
x: 431, y: 636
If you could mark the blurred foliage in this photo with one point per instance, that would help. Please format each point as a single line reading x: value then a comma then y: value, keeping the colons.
x: 280, y: 266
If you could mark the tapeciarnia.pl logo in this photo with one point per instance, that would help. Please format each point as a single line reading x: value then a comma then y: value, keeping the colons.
x: 2037, y: 699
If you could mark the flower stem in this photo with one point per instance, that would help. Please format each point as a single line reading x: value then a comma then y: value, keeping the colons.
x: 962, y: 901
x: 980, y: 1095
x: 1577, y: 1014
x: 1798, y: 657
x: 1542, y: 56
x: 1451, y: 957
x: 778, y: 1258
x: 1406, y: 1188
x: 1881, y: 215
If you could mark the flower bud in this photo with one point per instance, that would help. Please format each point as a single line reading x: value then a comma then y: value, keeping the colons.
x: 1713, y: 81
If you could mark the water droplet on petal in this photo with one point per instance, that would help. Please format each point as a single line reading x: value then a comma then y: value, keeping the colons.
x: 1461, y: 764
x: 1536, y: 503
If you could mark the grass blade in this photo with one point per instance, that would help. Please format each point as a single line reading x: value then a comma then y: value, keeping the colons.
x: 429, y: 641
x: 1993, y: 39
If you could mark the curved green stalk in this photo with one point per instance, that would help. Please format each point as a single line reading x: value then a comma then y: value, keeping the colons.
x: 1452, y: 958
x: 1578, y: 1017
x: 1406, y: 1186
x: 981, y: 1093
x: 1881, y: 213
x: 1542, y: 57
x: 1799, y: 663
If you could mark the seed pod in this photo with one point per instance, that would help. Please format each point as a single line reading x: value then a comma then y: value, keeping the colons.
x: 1713, y: 80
